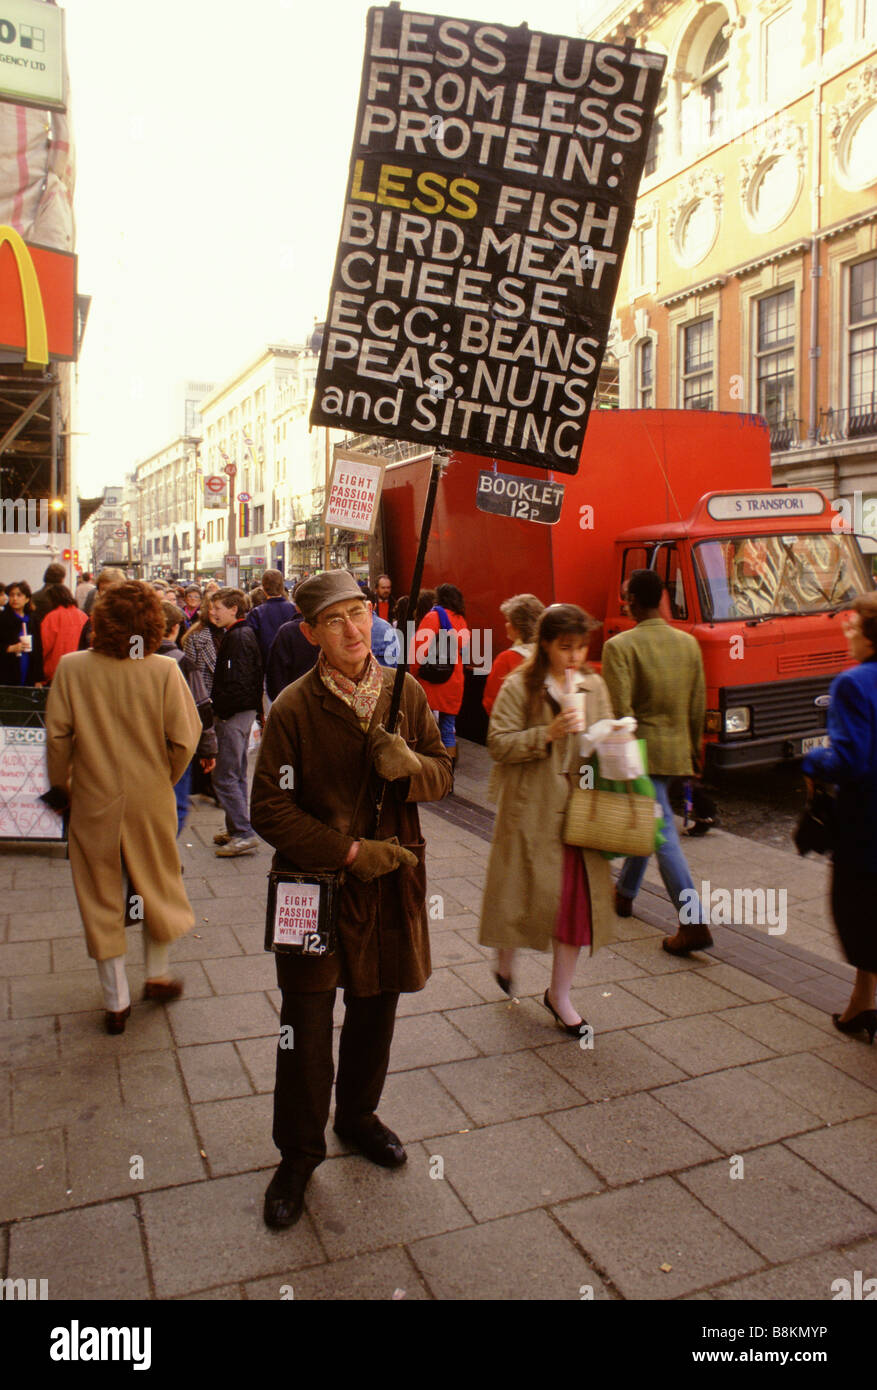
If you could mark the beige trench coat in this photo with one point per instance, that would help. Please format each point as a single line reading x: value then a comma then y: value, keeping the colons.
x: 531, y: 786
x: 119, y: 733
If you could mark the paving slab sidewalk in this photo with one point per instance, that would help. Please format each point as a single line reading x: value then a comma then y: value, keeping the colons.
x: 672, y: 1159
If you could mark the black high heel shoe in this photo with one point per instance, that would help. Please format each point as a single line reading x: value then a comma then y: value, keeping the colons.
x: 866, y: 1022
x: 505, y: 983
x: 573, y: 1030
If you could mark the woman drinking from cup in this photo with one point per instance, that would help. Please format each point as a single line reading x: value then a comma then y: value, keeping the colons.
x: 540, y: 893
x: 21, y: 651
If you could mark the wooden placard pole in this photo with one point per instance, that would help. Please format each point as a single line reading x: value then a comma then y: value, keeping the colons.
x: 440, y: 460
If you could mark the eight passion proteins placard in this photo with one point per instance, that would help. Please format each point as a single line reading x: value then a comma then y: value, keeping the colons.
x: 491, y: 190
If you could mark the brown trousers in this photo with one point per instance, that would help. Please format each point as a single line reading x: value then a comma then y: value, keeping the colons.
x: 305, y: 1071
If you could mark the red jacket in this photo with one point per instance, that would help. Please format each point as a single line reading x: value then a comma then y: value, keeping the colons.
x: 446, y: 698
x: 504, y: 664
x: 60, y: 630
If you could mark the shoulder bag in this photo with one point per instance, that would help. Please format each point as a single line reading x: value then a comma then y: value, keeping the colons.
x: 816, y: 830
x: 438, y: 668
x: 616, y: 818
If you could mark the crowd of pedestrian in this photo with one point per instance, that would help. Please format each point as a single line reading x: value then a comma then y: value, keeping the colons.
x: 335, y: 791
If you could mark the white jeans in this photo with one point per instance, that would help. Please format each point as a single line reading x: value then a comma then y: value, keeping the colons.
x: 114, y: 981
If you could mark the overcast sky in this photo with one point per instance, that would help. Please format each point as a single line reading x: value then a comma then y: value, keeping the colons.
x: 212, y: 144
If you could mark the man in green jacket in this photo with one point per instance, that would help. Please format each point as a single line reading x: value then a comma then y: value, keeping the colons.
x: 655, y: 673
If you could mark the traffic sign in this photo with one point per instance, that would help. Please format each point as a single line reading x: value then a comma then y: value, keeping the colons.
x: 120, y: 531
x: 215, y: 483
x: 231, y: 469
x: 243, y: 497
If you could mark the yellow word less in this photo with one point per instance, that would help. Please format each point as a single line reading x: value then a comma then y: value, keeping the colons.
x: 394, y: 179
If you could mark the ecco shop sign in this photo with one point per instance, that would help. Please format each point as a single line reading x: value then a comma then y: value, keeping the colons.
x: 505, y: 495
x: 491, y: 189
x: 32, y: 54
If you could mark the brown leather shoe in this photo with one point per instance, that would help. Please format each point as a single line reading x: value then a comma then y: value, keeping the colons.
x: 623, y: 905
x: 163, y: 990
x: 693, y: 938
x: 115, y: 1023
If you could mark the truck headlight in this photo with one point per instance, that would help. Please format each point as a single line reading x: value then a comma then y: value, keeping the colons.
x: 738, y: 719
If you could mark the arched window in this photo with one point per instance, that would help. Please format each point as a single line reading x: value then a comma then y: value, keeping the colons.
x: 704, y: 58
x: 658, y: 137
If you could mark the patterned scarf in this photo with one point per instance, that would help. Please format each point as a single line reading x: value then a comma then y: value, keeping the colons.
x: 362, y: 696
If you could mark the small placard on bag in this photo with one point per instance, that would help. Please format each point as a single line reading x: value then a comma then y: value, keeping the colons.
x: 302, y: 910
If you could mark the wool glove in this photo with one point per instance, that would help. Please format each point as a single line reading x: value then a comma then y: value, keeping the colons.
x: 392, y: 757
x: 377, y: 857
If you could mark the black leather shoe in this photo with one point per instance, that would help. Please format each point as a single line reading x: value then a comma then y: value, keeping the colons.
x: 373, y: 1139
x: 623, y: 905
x: 284, y: 1197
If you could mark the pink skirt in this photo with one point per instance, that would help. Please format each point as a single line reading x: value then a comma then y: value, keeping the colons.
x: 573, y: 925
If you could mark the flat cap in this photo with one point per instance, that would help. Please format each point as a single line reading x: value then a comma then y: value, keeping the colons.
x: 312, y: 595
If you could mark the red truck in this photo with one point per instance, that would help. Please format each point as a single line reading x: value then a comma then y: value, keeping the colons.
x: 759, y: 575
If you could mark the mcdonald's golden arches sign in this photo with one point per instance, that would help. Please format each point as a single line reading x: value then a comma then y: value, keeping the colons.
x: 37, y: 300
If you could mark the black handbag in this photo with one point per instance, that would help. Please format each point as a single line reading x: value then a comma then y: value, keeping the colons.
x: 816, y: 830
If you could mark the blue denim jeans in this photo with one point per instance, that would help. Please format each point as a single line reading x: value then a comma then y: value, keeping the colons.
x: 230, y: 773
x: 181, y: 792
x: 671, y: 864
x: 447, y: 728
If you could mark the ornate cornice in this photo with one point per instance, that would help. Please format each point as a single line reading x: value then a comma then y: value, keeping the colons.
x: 716, y: 282
x: 700, y: 183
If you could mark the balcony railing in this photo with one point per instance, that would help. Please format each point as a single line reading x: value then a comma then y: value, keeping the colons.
x: 855, y: 422
x: 785, y: 434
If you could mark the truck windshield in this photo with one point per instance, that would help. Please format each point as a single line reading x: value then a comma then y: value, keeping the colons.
x: 764, y: 576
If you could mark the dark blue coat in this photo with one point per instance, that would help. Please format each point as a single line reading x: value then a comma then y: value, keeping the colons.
x: 851, y: 764
x: 267, y: 619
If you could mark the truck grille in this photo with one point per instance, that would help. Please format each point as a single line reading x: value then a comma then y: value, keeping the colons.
x: 811, y: 661
x: 781, y: 708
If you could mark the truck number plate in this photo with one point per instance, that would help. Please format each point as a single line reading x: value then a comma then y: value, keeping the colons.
x: 822, y: 741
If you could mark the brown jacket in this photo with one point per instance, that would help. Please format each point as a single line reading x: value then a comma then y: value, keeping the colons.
x: 383, y: 943
x: 121, y: 732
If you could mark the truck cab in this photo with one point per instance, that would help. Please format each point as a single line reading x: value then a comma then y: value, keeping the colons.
x: 760, y: 579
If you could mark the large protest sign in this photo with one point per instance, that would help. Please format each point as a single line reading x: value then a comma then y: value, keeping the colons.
x: 491, y: 190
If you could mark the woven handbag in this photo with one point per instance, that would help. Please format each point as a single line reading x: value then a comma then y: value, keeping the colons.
x: 615, y: 822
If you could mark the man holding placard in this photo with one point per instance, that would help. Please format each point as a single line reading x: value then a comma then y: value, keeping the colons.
x: 334, y: 790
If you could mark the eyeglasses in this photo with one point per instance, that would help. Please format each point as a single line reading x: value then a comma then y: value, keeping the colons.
x: 357, y: 614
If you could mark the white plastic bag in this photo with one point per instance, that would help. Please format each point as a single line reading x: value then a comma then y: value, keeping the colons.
x: 619, y: 757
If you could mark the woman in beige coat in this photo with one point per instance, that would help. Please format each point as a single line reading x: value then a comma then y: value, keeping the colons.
x: 121, y: 727
x: 540, y: 893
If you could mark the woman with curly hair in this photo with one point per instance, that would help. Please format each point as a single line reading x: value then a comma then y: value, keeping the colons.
x: 121, y: 728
